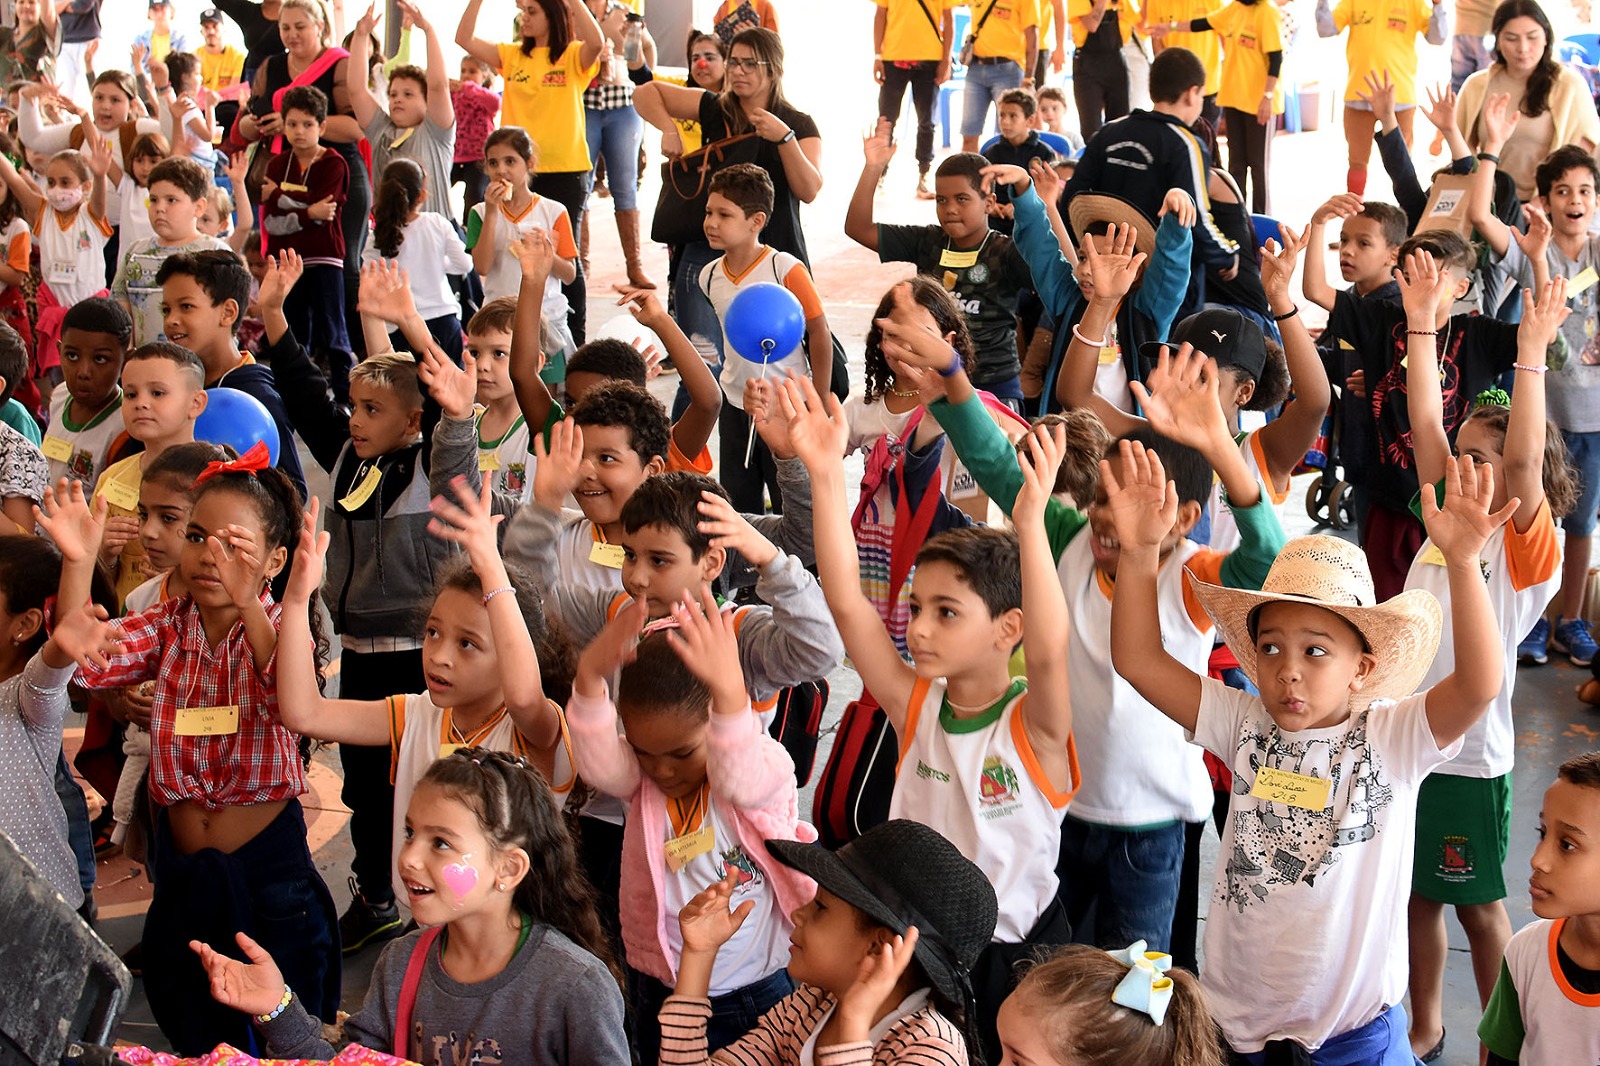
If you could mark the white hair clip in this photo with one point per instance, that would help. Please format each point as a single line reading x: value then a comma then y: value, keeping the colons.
x: 1146, y: 988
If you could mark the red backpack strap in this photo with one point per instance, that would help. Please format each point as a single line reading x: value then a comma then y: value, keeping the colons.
x: 910, y: 534
x: 879, y: 463
x: 408, y: 989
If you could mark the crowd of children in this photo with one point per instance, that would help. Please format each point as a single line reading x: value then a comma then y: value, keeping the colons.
x: 571, y: 643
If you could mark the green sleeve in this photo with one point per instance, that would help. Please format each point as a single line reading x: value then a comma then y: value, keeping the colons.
x: 474, y: 229
x: 1260, y: 539
x: 993, y: 462
x: 1501, y: 1028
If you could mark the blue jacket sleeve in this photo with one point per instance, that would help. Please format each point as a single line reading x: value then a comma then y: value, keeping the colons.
x: 1408, y: 191
x: 1053, y: 279
x: 1166, y: 277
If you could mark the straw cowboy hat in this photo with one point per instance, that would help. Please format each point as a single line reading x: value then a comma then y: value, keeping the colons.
x: 1401, y: 633
x: 1088, y: 208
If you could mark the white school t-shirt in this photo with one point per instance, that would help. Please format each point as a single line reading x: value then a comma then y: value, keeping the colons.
x: 979, y: 783
x: 72, y: 253
x: 761, y: 946
x: 1140, y: 770
x: 1561, y: 1026
x: 431, y: 251
x: 770, y: 268
x: 507, y: 461
x: 133, y: 219
x: 16, y: 239
x: 505, y: 276
x: 79, y: 451
x: 1310, y: 906
x: 1522, y: 571
x: 1224, y: 529
x: 420, y: 733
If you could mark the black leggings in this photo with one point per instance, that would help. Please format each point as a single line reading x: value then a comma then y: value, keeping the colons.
x: 891, y: 95
x: 570, y: 188
x: 353, y: 221
x: 1250, y: 149
x: 1100, y: 89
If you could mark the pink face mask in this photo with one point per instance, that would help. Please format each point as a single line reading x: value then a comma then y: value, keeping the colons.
x: 65, y: 199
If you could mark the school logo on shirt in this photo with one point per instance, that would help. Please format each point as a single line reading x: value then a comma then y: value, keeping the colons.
x: 1457, y: 860
x: 997, y: 788
x: 554, y: 79
x: 735, y: 859
x: 514, y: 479
x: 929, y: 773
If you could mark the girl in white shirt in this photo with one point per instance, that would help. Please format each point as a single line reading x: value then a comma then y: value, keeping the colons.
x: 422, y: 242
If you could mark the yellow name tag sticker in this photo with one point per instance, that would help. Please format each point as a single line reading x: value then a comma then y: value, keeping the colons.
x: 1109, y: 355
x: 121, y: 494
x: 57, y: 449
x: 959, y: 260
x: 488, y: 461
x: 607, y: 555
x: 682, y: 850
x: 1295, y: 790
x: 207, y: 721
x: 446, y: 750
x: 1432, y: 556
x: 1346, y: 346
x: 1582, y: 283
x: 363, y: 491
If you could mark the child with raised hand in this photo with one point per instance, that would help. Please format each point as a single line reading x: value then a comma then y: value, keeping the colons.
x: 36, y: 665
x: 1543, y: 1011
x: 985, y: 759
x: 1087, y: 1007
x: 225, y: 773
x: 880, y: 956
x: 706, y: 789
x: 511, y: 960
x: 1469, y: 798
x: 1327, y: 761
x: 485, y: 685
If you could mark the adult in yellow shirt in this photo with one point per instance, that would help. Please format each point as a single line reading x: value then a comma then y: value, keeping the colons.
x: 911, y: 47
x: 545, y: 75
x: 1099, y: 72
x: 1382, y: 43
x: 1204, y: 44
x: 221, y: 68
x: 1249, y: 95
x: 1005, y: 36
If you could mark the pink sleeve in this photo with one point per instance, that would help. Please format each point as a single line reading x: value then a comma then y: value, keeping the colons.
x: 746, y: 767
x: 600, y: 754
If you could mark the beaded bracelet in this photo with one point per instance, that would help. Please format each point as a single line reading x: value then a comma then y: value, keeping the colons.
x: 1530, y: 369
x: 492, y: 593
x: 1422, y: 333
x: 283, y: 1005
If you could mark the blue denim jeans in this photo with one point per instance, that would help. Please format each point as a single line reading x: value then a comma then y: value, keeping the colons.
x: 1381, y: 1042
x: 986, y: 83
x: 1130, y: 878
x: 615, y: 134
x: 693, y: 311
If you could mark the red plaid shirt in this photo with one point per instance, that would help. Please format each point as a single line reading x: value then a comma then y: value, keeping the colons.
x: 167, y: 644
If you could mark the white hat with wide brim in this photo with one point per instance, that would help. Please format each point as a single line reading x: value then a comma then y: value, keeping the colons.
x: 1402, y: 633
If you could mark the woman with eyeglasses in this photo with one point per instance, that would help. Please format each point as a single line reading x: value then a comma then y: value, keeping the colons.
x: 545, y: 75
x: 752, y: 102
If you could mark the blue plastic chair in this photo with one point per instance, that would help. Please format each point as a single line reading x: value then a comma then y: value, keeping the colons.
x: 1058, y: 144
x: 957, y: 82
x: 1266, y: 226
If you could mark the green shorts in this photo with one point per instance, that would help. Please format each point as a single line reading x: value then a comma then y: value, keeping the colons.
x: 1463, y: 831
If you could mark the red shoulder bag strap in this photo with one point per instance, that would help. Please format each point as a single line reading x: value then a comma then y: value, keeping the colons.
x: 408, y: 990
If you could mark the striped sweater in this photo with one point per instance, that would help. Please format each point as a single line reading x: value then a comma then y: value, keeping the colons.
x: 922, y: 1038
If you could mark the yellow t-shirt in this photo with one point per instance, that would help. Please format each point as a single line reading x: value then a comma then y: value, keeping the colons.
x: 1383, y: 37
x: 1005, y: 34
x: 546, y: 99
x: 160, y: 46
x: 1203, y: 44
x: 1248, y: 32
x: 120, y: 486
x: 908, y: 34
x: 223, y: 68
x: 1127, y: 18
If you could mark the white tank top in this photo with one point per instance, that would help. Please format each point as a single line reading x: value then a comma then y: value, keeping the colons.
x: 977, y: 781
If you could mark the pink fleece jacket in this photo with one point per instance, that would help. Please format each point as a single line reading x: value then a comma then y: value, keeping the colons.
x: 752, y: 779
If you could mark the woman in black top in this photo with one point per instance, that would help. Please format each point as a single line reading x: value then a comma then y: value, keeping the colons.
x: 753, y: 102
x: 258, y: 24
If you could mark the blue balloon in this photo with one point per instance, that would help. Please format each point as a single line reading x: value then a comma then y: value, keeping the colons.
x: 238, y: 420
x: 764, y: 322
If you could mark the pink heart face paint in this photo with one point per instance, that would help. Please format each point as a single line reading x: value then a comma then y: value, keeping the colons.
x: 460, y: 878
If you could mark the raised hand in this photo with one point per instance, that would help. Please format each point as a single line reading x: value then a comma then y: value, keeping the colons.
x: 1460, y: 528
x: 235, y: 553
x: 706, y: 922
x: 818, y: 431
x: 453, y: 388
x: 1380, y: 95
x: 1499, y: 120
x: 385, y: 292
x: 254, y: 987
x: 469, y: 521
x: 85, y: 637
x: 1046, y: 182
x: 612, y: 648
x: 1441, y: 107
x: 1144, y: 505
x: 1533, y: 242
x: 1111, y: 273
x: 879, y: 972
x: 1046, y: 448
x: 731, y: 531
x: 706, y: 642
x: 1006, y: 174
x: 283, y: 271
x: 1542, y: 314
x: 99, y: 157
x: 878, y: 148
x: 1422, y: 286
x: 559, y: 469
x: 238, y: 169
x: 368, y: 21
x: 77, y: 526
x: 1341, y: 205
x: 536, y: 252
x: 1180, y: 203
x: 310, y: 558
x: 1278, y: 260
x: 1183, y: 399
x: 644, y: 305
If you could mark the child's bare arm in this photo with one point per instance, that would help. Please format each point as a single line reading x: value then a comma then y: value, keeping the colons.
x: 1497, y: 122
x: 1047, y: 712
x: 1112, y: 273
x: 536, y: 252
x: 819, y: 345
x: 818, y: 433
x: 693, y: 428
x: 1421, y: 284
x: 1286, y: 439
x: 1314, y: 280
x: 1143, y: 509
x: 1522, y: 455
x: 1459, y: 530
x: 878, y: 149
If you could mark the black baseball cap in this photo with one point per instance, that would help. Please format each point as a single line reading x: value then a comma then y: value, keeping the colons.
x: 1229, y: 337
x: 210, y: 14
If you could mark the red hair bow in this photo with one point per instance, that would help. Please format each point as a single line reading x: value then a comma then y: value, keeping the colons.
x: 257, y: 458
